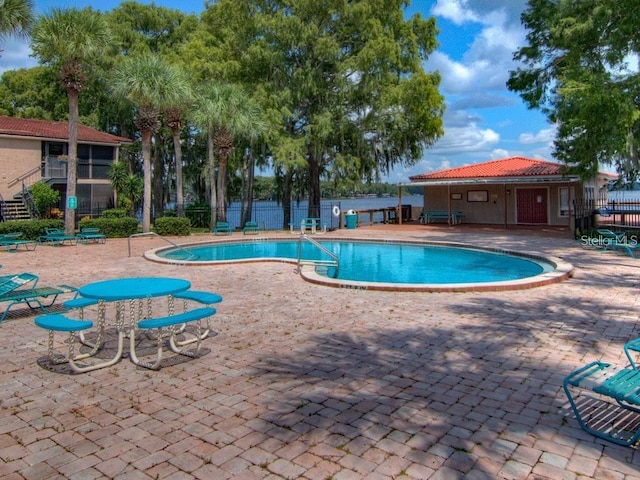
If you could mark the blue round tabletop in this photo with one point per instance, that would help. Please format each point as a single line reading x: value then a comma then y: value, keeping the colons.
x: 134, y: 288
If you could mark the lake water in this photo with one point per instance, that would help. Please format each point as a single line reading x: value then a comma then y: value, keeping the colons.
x: 270, y: 217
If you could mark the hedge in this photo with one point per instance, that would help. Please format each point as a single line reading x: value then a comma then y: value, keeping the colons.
x: 172, y: 226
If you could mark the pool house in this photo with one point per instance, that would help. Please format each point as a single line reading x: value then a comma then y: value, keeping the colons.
x: 511, y: 191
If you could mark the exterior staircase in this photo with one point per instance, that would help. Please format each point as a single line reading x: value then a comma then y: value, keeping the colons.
x: 14, y: 210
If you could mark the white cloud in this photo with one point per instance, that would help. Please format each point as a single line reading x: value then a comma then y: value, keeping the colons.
x: 15, y: 55
x: 499, y: 153
x: 546, y: 136
x: 456, y: 11
x: 469, y: 138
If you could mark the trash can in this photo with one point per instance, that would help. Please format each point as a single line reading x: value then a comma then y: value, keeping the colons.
x: 351, y: 219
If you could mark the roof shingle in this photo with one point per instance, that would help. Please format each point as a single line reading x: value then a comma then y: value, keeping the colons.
x: 508, y: 167
x: 28, y: 127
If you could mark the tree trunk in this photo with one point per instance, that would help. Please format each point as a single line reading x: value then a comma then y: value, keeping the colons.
x: 72, y: 162
x: 159, y: 188
x: 178, y: 152
x: 222, y: 188
x: 286, y: 200
x: 247, y: 207
x: 146, y: 165
x: 212, y: 179
x: 314, y: 185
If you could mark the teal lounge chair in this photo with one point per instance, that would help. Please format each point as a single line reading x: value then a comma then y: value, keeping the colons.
x: 600, y: 416
x: 222, y: 228
x: 22, y: 288
x: 56, y: 237
x: 608, y: 239
x: 12, y: 241
x: 87, y: 235
x: 250, y: 227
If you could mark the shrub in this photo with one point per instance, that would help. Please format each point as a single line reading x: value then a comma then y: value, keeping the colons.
x: 172, y: 226
x: 45, y: 197
x: 115, y: 213
x: 31, y: 229
x: 112, y: 227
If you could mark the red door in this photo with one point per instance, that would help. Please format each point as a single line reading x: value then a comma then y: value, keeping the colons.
x: 532, y: 205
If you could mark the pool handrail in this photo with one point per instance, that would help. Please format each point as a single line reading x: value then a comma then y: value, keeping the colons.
x: 329, y: 263
x: 191, y: 254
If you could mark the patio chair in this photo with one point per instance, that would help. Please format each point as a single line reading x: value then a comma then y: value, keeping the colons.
x: 222, y: 228
x: 56, y: 237
x: 250, y: 227
x: 611, y: 384
x: 12, y: 241
x: 22, y: 288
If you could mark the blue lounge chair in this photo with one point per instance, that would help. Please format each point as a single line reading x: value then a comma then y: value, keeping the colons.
x: 609, y: 383
x: 12, y: 241
x: 222, y: 228
x: 90, y: 234
x: 22, y: 288
x: 56, y: 237
x: 608, y: 239
x: 250, y: 227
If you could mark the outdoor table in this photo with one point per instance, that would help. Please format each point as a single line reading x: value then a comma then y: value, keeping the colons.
x: 134, y: 290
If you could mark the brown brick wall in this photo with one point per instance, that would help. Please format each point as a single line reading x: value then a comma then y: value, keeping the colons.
x: 17, y: 157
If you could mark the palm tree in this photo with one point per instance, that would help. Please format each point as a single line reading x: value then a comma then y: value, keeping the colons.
x: 71, y: 40
x: 16, y: 18
x: 174, y: 117
x: 225, y: 111
x: 151, y: 85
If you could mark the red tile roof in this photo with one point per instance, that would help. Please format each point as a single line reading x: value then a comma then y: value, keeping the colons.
x: 508, y: 167
x: 27, y: 127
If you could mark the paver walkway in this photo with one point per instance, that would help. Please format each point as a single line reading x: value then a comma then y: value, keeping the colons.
x: 310, y: 382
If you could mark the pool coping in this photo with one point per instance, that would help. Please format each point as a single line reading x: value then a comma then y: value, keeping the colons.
x: 562, y: 270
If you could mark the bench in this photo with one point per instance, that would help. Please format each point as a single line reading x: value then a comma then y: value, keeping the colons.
x: 87, y: 235
x: 429, y: 216
x: 173, y: 322
x: 610, y: 382
x: 60, y: 323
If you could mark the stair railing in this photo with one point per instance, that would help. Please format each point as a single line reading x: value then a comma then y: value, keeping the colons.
x: 3, y: 209
x: 29, y: 203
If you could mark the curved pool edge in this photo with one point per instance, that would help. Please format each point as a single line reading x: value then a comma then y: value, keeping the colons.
x: 562, y: 270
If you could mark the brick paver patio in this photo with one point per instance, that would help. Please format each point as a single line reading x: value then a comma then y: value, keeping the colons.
x: 311, y: 382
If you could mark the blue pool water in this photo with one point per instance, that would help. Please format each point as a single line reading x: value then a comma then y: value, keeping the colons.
x: 383, y: 262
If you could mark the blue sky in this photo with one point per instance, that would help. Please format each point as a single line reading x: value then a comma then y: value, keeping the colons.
x: 483, y: 120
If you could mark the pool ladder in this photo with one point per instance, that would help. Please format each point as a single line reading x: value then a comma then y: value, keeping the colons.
x: 325, y: 264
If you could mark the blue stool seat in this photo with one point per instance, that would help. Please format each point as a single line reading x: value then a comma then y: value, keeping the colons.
x: 60, y: 323
x: 79, y: 302
x: 206, y: 298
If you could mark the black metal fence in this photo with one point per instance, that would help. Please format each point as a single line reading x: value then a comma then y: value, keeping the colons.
x: 616, y: 213
x: 268, y: 217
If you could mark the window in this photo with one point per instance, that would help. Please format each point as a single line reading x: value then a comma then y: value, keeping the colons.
x: 477, y: 196
x: 565, y: 194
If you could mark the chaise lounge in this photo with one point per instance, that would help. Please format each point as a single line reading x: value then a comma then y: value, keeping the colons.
x: 22, y: 288
x: 222, y: 228
x: 56, y: 237
x: 12, y: 241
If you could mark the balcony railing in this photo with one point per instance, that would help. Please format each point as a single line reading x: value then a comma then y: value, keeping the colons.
x: 54, y: 167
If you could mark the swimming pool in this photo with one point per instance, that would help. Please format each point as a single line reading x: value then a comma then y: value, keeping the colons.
x: 384, y: 265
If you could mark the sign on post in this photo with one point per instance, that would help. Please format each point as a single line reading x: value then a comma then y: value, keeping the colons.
x: 72, y: 202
